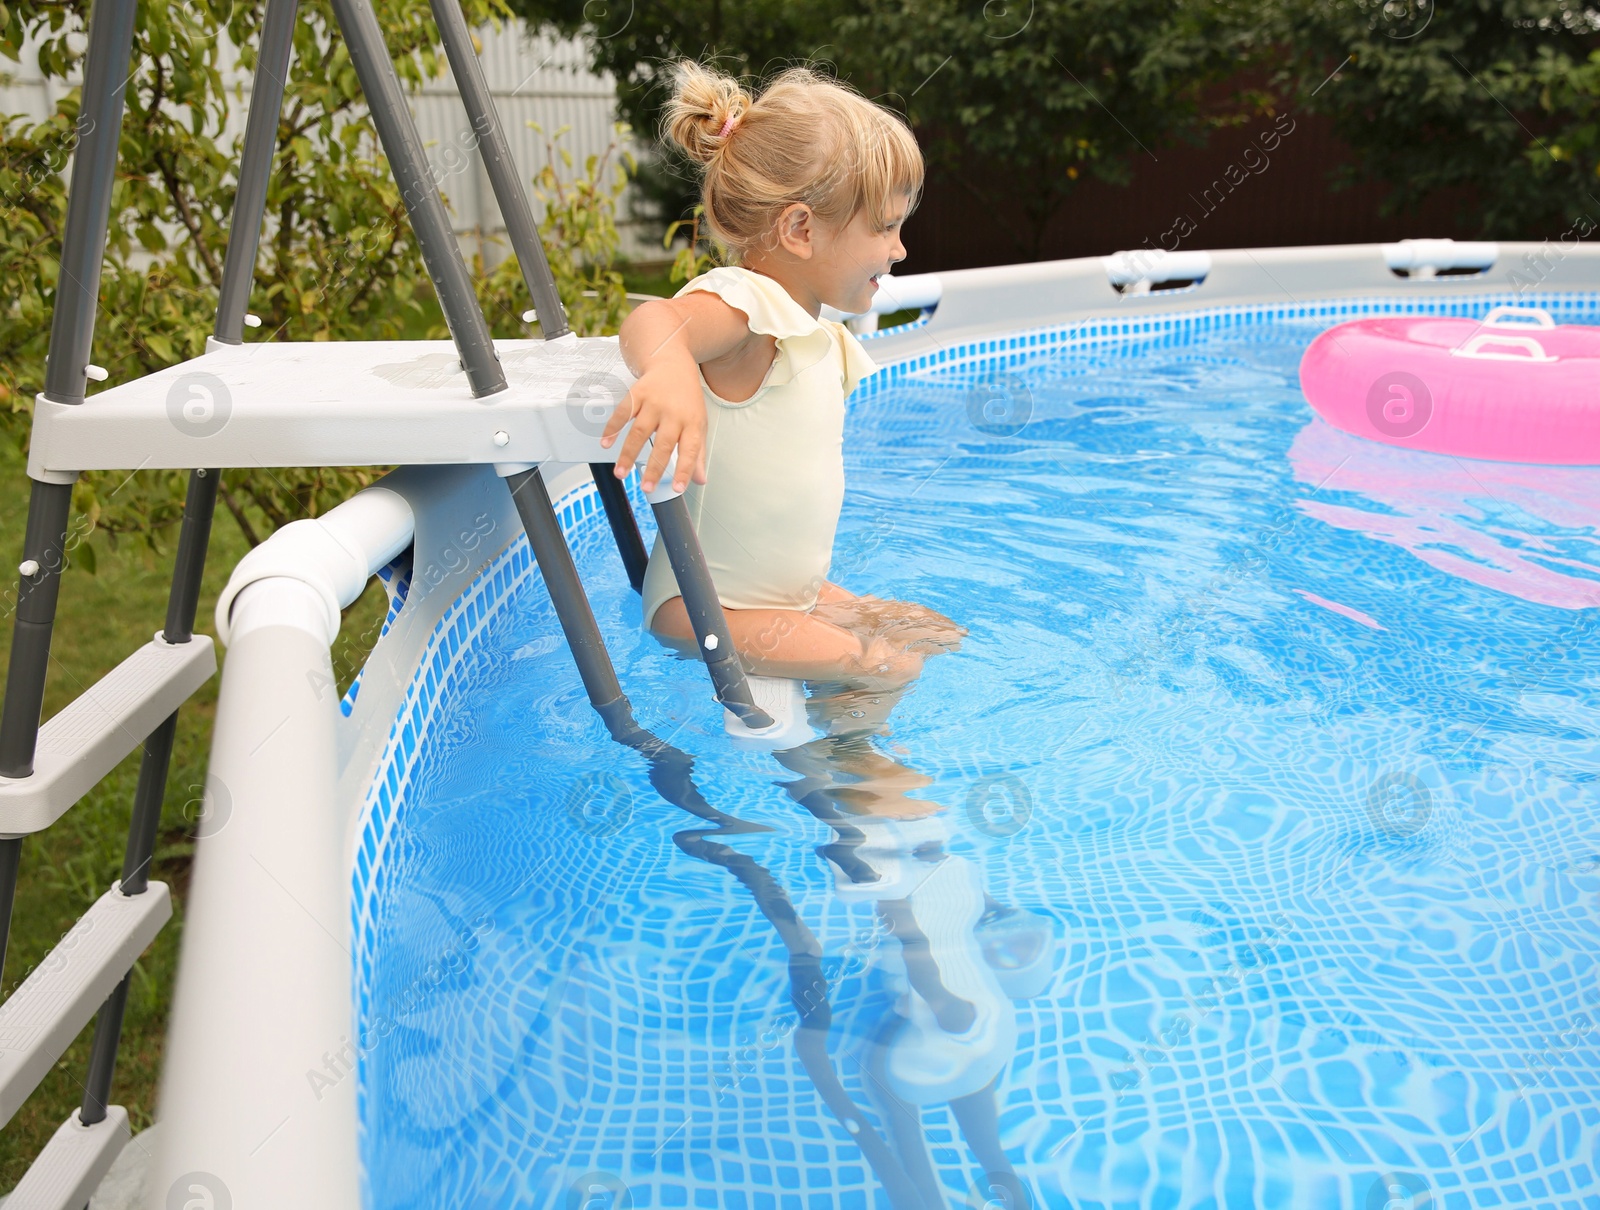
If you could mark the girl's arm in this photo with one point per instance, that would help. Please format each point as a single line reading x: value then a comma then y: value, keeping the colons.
x: 664, y: 342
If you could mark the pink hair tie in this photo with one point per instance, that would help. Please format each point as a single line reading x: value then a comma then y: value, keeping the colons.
x: 726, y: 127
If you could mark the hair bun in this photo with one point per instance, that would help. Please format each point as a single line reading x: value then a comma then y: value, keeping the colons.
x: 807, y: 139
x: 702, y: 103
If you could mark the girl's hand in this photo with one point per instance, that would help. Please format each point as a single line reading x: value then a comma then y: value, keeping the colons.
x: 919, y: 628
x: 884, y: 664
x: 664, y: 403
x: 664, y: 343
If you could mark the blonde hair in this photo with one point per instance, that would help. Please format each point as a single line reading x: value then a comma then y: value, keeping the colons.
x: 806, y: 138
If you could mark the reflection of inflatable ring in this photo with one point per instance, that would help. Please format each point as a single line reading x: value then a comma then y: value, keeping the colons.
x: 1438, y: 508
x: 1511, y: 388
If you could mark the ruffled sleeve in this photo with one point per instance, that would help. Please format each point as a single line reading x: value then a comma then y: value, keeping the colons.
x: 857, y: 365
x: 772, y: 312
x: 803, y: 341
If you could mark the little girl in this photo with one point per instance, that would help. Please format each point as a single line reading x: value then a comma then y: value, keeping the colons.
x: 807, y: 188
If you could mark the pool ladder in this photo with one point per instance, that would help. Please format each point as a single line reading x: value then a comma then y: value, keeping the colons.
x: 45, y: 770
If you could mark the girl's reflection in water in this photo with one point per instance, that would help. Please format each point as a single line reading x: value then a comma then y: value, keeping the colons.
x: 960, y: 955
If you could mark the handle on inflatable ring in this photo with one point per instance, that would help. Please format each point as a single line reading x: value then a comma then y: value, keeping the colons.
x: 1474, y: 348
x: 1511, y: 317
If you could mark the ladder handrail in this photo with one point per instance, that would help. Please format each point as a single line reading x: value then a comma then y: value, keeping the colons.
x: 255, y: 168
x: 533, y: 501
x: 512, y: 198
x: 397, y: 134
x: 509, y: 194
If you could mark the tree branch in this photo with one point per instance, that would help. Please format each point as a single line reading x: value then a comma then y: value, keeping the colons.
x: 187, y: 217
x: 238, y: 513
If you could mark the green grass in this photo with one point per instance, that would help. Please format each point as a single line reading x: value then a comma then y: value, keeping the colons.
x: 102, y: 618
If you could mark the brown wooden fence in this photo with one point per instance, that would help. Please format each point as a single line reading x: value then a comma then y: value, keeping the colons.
x: 1227, y: 196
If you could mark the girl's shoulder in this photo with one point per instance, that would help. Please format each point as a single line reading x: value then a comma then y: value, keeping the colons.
x: 769, y: 307
x: 772, y: 311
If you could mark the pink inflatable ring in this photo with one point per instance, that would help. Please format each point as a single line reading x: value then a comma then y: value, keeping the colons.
x: 1512, y: 387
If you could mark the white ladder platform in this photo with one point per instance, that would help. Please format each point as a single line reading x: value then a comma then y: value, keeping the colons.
x: 72, y: 1164
x: 63, y: 992
x: 784, y: 701
x: 85, y: 741
x: 341, y: 403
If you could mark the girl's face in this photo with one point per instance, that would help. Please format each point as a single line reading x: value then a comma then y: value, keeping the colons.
x: 853, y: 259
x: 838, y: 266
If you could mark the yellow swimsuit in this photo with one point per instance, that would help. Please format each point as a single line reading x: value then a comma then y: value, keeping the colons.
x: 775, y: 462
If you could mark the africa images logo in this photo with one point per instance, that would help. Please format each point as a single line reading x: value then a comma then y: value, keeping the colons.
x: 592, y: 398
x: 1399, y: 404
x: 199, y: 404
x: 199, y: 1191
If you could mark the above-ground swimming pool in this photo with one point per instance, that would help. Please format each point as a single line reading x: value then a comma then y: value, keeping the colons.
x: 1283, y: 743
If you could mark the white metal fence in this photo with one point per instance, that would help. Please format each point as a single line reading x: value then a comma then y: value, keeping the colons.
x: 537, y: 81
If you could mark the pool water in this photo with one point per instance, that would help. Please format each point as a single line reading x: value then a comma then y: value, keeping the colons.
x: 1272, y: 755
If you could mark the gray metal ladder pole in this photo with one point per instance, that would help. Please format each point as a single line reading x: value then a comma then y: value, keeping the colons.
x: 551, y: 552
x: 255, y: 168
x: 525, y: 242
x: 429, y: 221
x: 94, y: 166
x: 71, y: 336
x: 199, y: 509
x: 10, y: 865
x: 153, y: 765
x: 182, y: 602
x: 44, y: 555
x: 508, y: 191
x: 71, y: 333
x: 619, y: 513
x: 528, y: 491
x: 705, y: 612
x: 727, y: 674
x: 45, y: 547
x: 189, y: 565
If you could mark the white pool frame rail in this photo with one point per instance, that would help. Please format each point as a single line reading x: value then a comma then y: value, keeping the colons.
x: 967, y: 306
x: 265, y: 946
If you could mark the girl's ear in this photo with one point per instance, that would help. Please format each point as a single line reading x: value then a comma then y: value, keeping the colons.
x: 796, y: 231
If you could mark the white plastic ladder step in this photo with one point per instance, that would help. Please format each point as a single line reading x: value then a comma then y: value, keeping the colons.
x: 73, y: 1163
x: 85, y: 741
x: 341, y: 403
x: 62, y: 993
x: 784, y: 701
